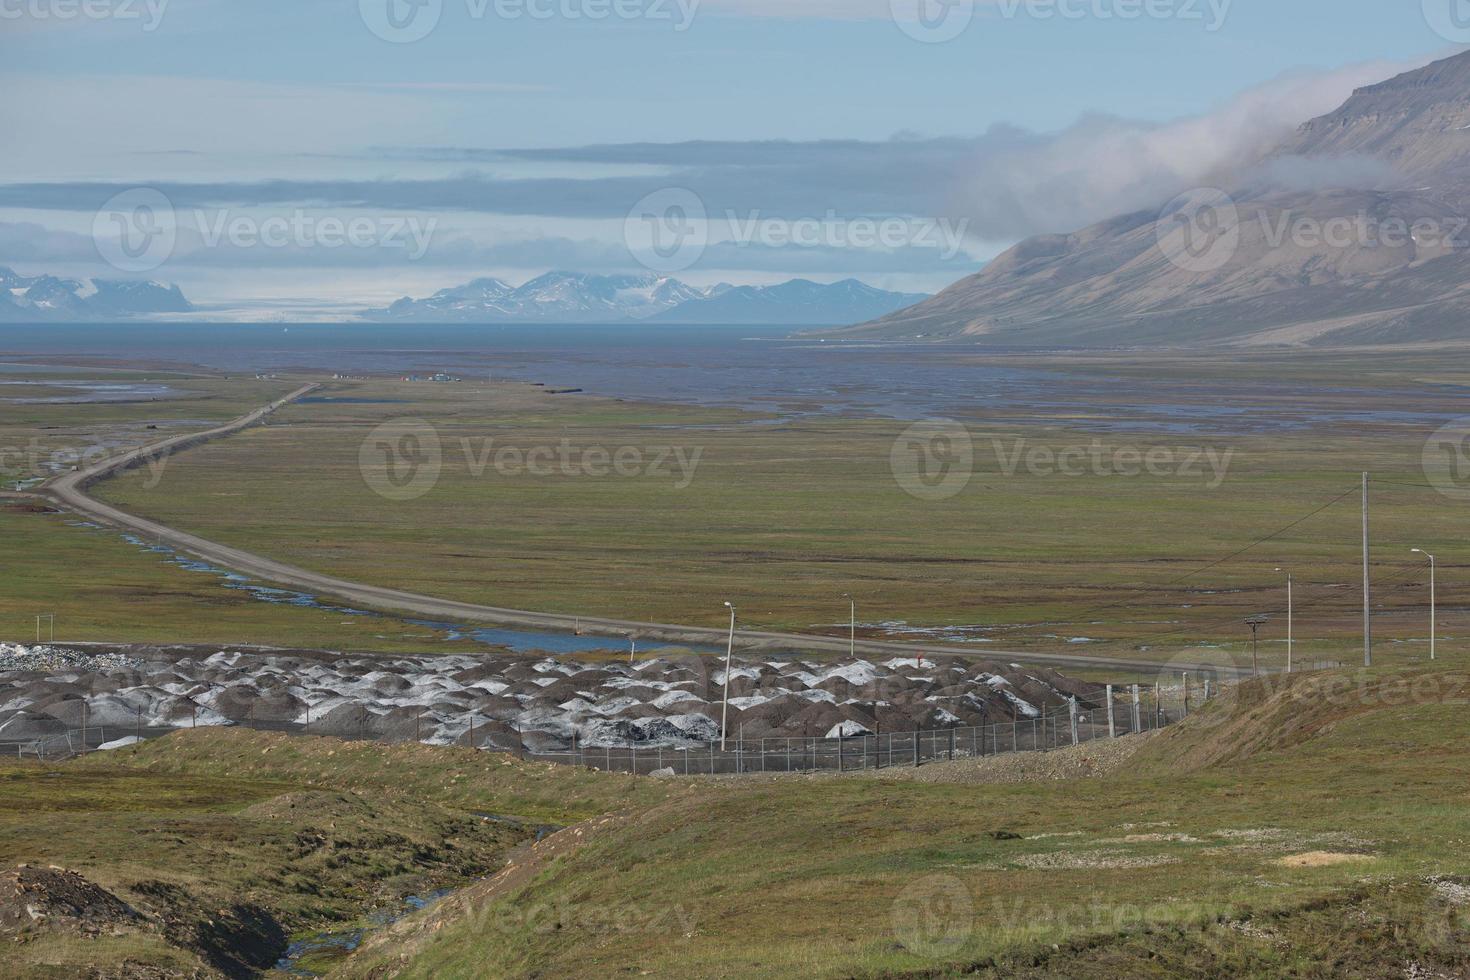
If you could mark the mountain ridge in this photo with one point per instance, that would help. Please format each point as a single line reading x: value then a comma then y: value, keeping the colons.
x: 1394, y: 157
x: 567, y: 297
x: 47, y: 298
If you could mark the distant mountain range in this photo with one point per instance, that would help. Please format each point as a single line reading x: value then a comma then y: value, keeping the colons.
x: 566, y: 297
x: 1354, y: 231
x: 28, y: 299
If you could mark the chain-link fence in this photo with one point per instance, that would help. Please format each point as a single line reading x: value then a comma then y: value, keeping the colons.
x: 1137, y: 710
x: 1122, y: 711
x: 54, y: 747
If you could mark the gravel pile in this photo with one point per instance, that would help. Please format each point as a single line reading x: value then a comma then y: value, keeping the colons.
x: 667, y: 701
x: 14, y: 657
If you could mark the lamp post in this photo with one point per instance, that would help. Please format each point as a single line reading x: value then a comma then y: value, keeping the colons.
x: 729, y: 652
x: 1289, y: 621
x: 852, y: 626
x: 1420, y: 551
x: 1255, y: 623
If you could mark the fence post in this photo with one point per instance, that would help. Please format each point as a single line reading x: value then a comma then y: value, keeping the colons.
x: 916, y: 747
x: 1185, y: 676
x: 711, y: 758
x: 840, y: 761
x: 1072, y: 708
x: 1137, y: 716
x: 84, y: 727
x: 1112, y: 728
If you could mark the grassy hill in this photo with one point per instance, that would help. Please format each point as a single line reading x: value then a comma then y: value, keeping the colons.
x: 1314, y: 827
x: 1308, y: 826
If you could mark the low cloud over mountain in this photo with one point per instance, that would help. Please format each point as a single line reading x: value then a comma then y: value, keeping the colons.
x: 1351, y: 230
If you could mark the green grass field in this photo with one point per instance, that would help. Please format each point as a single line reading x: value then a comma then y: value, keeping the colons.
x: 1316, y: 830
x: 303, y: 834
x: 102, y: 588
x: 1312, y: 826
x: 783, y: 518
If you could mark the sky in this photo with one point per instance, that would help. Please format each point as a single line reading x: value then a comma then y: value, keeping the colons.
x: 331, y: 154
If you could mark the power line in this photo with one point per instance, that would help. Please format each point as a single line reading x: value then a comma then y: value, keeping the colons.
x: 1204, y: 568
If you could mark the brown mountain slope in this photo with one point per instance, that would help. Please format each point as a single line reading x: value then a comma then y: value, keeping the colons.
x: 1352, y: 232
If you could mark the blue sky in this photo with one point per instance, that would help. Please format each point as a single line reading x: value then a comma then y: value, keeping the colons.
x: 1034, y: 118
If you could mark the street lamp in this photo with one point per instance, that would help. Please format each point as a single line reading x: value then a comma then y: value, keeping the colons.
x: 1255, y: 623
x: 1420, y: 551
x: 1289, y: 618
x: 729, y: 652
x: 852, y: 634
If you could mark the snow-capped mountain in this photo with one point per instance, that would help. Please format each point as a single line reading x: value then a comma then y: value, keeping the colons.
x: 48, y: 298
x: 561, y: 297
x: 566, y: 297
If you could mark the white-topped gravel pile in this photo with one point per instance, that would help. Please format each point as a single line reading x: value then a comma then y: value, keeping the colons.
x: 667, y: 700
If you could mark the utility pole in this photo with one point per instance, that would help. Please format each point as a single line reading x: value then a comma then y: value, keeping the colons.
x: 1367, y: 607
x: 1255, y: 623
x: 729, y: 652
x: 852, y: 627
x: 1289, y: 618
x: 1432, y: 629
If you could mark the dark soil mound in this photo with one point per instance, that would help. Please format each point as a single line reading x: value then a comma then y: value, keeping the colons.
x: 33, y: 899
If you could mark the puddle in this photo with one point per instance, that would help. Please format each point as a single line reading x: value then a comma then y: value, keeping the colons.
x: 316, y: 955
x: 541, y: 830
x: 92, y: 392
x: 329, y: 400
x: 524, y: 640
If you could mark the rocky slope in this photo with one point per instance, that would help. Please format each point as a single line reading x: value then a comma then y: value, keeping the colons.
x: 1354, y: 231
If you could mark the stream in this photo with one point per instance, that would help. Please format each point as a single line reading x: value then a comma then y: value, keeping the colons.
x: 320, y: 952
